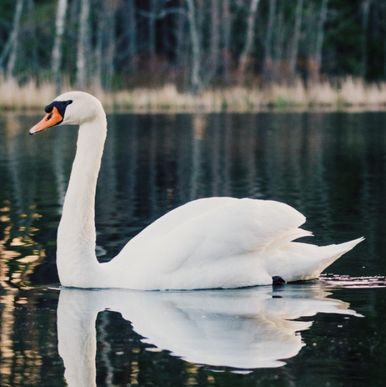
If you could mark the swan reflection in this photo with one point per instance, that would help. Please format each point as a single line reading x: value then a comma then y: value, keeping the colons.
x: 242, y: 329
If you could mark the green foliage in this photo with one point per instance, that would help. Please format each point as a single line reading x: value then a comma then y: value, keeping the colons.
x: 283, y: 103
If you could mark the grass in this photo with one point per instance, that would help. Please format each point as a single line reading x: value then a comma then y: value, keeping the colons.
x: 346, y: 94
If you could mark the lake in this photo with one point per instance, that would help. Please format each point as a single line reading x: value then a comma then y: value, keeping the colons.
x: 331, y: 332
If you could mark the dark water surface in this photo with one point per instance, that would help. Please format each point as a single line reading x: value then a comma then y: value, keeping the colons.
x: 330, y: 166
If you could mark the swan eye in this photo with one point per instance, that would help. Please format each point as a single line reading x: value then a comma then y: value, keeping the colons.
x: 48, y: 108
x: 60, y: 105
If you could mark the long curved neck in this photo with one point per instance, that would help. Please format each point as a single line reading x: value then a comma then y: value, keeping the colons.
x: 76, y: 259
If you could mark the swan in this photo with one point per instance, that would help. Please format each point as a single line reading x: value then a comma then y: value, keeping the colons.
x: 243, y: 329
x: 217, y: 242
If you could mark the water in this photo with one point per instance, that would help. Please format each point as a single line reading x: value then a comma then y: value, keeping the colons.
x: 330, y: 166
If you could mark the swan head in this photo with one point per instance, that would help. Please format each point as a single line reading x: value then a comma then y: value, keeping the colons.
x: 71, y: 108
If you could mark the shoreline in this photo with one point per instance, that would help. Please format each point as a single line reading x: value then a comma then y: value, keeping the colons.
x: 351, y: 95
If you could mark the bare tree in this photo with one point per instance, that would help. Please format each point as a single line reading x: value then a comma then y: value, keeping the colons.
x: 105, y: 44
x: 132, y: 34
x: 226, y: 23
x: 83, y: 45
x: 14, y: 39
x: 295, y: 40
x: 320, y: 33
x: 196, y: 82
x: 31, y: 50
x: 151, y: 31
x: 180, y: 47
x: 99, y: 46
x: 243, y: 61
x: 315, y: 59
x: 365, y: 23
x: 110, y: 43
x: 57, y: 51
x: 278, y: 44
x: 267, y: 68
x: 214, y: 44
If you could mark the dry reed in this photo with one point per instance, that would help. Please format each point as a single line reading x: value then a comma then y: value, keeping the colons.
x: 348, y: 93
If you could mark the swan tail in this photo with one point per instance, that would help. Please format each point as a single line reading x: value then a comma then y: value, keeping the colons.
x: 306, y: 261
x: 333, y: 252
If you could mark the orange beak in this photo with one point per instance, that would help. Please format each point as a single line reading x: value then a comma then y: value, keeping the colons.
x: 50, y: 119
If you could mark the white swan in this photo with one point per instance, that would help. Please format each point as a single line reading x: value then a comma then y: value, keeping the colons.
x: 243, y: 329
x: 207, y: 243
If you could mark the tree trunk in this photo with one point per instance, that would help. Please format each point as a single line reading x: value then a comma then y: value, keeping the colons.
x: 32, y: 51
x: 110, y: 10
x: 315, y: 62
x: 132, y: 33
x: 99, y: 46
x: 320, y: 35
x: 226, y: 33
x: 151, y: 37
x: 105, y: 45
x: 295, y: 42
x: 14, y: 39
x: 214, y: 41
x: 182, y: 55
x: 267, y: 68
x: 57, y: 49
x: 83, y: 45
x: 365, y: 23
x: 243, y: 62
x: 381, y: 8
x: 196, y: 82
x: 278, y: 45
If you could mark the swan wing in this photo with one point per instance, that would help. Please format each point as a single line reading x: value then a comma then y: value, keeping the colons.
x: 211, y: 229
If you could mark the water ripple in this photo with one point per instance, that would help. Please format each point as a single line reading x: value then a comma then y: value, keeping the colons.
x: 346, y: 281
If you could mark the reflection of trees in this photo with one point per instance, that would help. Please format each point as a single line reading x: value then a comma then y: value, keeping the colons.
x: 288, y: 157
x: 324, y: 165
x: 19, y: 252
x: 329, y: 166
x: 19, y: 255
x: 27, y: 339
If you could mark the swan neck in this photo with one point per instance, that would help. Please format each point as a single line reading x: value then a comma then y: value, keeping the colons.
x: 76, y: 258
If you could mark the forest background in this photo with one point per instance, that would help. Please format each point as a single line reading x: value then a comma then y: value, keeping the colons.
x: 208, y: 55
